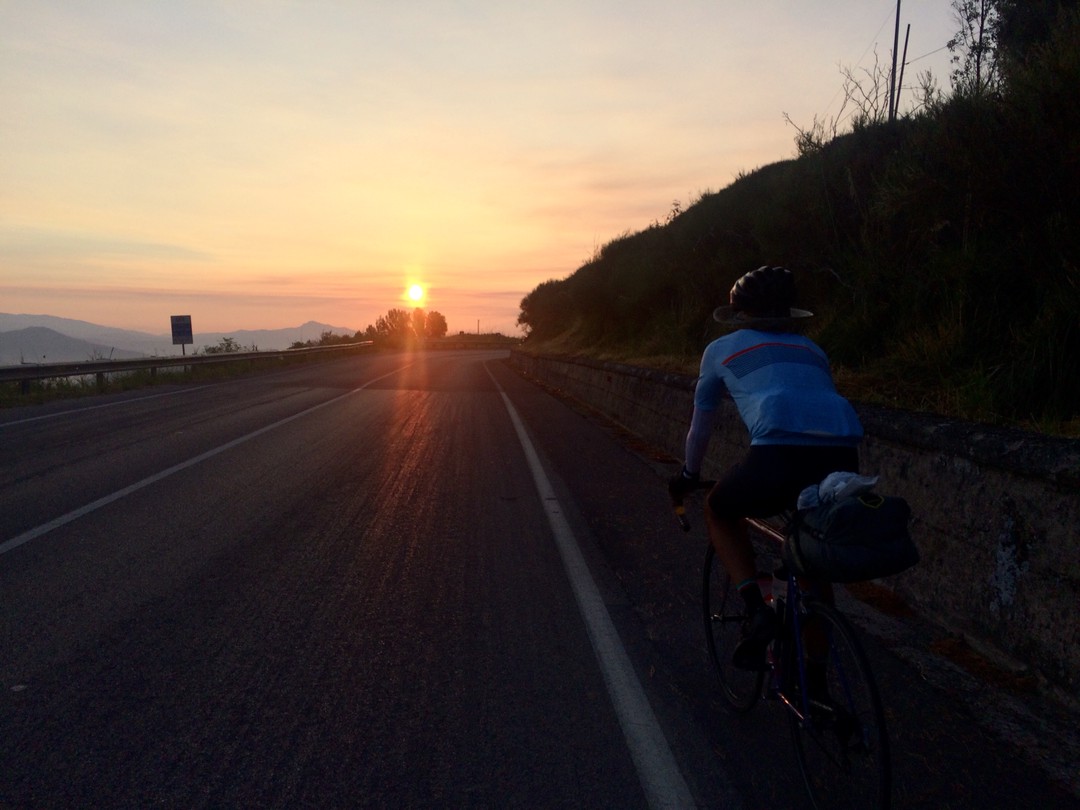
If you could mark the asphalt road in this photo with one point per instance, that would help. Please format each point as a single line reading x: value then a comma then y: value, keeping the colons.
x: 393, y: 581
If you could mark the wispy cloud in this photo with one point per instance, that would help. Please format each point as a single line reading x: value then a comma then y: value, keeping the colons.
x: 40, y: 244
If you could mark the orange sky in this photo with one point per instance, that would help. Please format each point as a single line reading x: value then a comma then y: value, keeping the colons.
x: 262, y: 164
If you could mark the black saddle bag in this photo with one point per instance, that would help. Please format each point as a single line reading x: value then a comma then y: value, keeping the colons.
x: 852, y: 539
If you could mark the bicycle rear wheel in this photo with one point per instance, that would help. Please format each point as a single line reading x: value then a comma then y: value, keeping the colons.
x: 724, y: 614
x: 843, y: 745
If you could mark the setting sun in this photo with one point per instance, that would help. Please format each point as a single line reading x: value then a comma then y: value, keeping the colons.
x: 416, y: 293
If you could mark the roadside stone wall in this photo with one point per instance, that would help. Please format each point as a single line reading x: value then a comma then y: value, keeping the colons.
x: 996, y: 511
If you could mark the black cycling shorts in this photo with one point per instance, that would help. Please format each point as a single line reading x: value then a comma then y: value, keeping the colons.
x: 769, y: 478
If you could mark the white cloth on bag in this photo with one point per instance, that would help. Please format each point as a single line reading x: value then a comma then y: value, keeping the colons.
x: 836, y: 485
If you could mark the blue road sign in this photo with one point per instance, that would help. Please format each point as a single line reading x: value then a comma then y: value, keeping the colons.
x: 181, y: 330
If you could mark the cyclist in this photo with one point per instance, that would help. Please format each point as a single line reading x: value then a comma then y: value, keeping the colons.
x: 800, y: 430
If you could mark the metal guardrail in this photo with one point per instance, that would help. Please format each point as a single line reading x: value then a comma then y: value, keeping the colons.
x: 99, y: 368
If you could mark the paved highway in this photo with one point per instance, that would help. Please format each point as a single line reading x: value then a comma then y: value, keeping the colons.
x: 404, y: 580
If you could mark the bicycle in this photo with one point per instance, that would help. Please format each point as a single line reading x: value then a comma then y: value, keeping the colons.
x: 816, y: 670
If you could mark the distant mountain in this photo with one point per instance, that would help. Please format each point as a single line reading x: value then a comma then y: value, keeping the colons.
x: 107, y: 338
x: 37, y: 344
x: 120, y: 339
x: 271, y: 339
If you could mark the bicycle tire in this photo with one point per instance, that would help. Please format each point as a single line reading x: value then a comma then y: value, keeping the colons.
x: 843, y: 746
x: 724, y: 614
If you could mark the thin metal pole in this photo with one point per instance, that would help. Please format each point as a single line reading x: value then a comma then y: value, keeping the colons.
x: 903, y: 62
x: 892, y: 85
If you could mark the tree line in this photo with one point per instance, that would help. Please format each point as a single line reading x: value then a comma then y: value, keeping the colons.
x: 400, y: 324
x: 396, y: 327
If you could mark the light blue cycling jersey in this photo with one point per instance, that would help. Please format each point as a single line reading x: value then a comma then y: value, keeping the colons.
x: 782, y: 387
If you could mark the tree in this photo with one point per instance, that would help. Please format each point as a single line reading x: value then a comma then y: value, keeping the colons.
x: 326, y: 338
x: 1021, y: 26
x: 435, y: 326
x: 227, y: 345
x: 397, y: 323
x: 418, y: 321
x: 974, y: 47
x: 997, y: 37
x: 546, y: 311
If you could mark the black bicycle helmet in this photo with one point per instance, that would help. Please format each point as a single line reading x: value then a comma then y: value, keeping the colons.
x: 768, y: 292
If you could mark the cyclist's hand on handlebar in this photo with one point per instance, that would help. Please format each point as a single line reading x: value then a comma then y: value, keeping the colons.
x: 679, y: 486
x: 682, y: 484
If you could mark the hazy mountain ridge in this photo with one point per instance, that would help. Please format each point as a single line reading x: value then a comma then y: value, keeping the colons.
x: 25, y: 338
x: 39, y: 344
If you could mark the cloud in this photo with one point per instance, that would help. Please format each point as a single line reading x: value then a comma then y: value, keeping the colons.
x: 40, y: 244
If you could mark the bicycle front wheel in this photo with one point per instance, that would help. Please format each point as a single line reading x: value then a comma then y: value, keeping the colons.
x: 841, y: 742
x: 725, y: 613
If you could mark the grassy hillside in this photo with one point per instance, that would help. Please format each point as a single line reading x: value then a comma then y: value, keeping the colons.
x: 940, y: 254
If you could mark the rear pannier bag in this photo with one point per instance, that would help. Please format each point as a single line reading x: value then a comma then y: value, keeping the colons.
x: 852, y: 539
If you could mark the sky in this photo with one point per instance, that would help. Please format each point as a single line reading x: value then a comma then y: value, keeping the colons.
x: 258, y: 165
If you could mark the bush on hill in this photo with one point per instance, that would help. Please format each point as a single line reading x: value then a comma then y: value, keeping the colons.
x: 940, y: 253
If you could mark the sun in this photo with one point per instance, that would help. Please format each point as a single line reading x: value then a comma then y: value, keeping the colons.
x: 415, y: 293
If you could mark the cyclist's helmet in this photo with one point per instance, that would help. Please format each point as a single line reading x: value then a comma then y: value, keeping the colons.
x: 768, y: 292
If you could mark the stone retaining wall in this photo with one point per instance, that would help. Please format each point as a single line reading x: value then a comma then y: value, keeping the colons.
x: 996, y: 511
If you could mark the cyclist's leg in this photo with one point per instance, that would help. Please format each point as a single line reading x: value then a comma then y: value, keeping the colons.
x: 745, y: 490
x: 731, y: 540
x: 725, y: 616
x: 735, y: 553
x: 767, y: 480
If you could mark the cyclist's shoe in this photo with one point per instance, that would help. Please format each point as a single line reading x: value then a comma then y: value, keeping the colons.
x: 826, y: 712
x: 757, y: 632
x: 831, y: 716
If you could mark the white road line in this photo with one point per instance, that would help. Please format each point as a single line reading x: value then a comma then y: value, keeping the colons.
x: 661, y: 779
x: 63, y: 520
